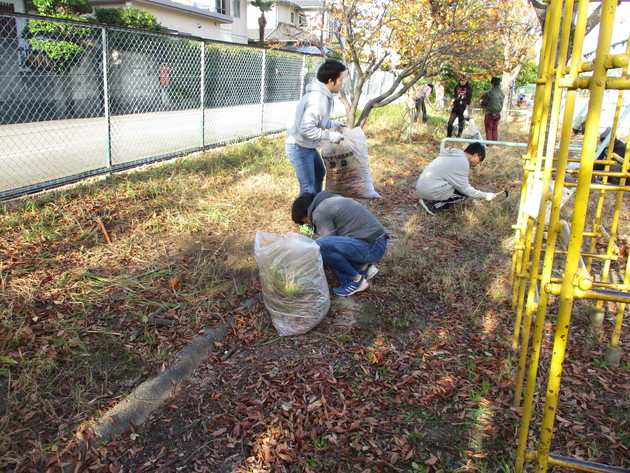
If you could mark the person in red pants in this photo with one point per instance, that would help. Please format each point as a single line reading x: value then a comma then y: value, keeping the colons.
x: 492, y: 102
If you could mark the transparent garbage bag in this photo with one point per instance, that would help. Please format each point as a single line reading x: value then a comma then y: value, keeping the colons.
x: 471, y: 131
x: 347, y: 166
x: 295, y: 291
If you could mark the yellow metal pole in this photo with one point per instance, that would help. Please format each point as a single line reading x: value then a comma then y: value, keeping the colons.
x: 548, y: 51
x: 519, y: 293
x: 613, y: 352
x: 527, y: 324
x: 554, y: 10
x: 597, y: 318
x: 533, y: 302
x: 575, y: 240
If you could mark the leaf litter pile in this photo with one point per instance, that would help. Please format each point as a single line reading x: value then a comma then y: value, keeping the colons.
x: 414, y: 375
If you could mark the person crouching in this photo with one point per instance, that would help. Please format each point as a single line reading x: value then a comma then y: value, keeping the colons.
x: 350, y: 238
x: 444, y: 182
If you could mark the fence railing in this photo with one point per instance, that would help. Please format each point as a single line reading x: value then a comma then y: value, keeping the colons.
x: 77, y: 99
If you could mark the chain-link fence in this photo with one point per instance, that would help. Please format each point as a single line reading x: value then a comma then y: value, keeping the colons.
x: 77, y: 100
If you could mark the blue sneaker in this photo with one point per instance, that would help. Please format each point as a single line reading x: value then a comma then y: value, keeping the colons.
x: 350, y: 288
x: 369, y: 272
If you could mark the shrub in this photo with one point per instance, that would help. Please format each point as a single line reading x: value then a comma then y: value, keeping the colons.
x: 129, y: 18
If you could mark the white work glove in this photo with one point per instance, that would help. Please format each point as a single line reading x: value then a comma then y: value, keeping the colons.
x: 335, y: 137
x: 490, y: 196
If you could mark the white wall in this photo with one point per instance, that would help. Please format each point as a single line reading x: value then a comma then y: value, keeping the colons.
x: 199, y: 25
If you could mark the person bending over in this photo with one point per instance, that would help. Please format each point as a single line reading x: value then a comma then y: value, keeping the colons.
x: 444, y: 182
x: 422, y: 94
x: 350, y: 238
x: 310, y: 124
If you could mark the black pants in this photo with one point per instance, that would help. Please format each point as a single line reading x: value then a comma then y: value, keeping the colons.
x: 459, y: 114
x: 456, y: 198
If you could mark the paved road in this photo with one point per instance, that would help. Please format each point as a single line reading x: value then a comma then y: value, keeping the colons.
x: 37, y: 152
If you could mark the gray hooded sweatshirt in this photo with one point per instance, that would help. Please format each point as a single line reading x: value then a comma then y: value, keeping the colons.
x: 307, y: 126
x: 334, y: 215
x: 445, y: 174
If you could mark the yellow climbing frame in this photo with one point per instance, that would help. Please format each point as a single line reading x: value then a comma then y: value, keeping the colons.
x: 566, y: 232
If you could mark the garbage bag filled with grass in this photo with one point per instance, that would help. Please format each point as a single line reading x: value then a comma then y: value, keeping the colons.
x: 347, y: 166
x: 295, y: 291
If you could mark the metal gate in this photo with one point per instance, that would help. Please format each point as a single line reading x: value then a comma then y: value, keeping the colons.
x: 566, y: 251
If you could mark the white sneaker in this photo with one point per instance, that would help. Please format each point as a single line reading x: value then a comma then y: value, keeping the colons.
x: 369, y: 272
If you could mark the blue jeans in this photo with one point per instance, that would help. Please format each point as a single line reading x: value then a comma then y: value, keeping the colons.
x: 345, y: 255
x: 309, y: 167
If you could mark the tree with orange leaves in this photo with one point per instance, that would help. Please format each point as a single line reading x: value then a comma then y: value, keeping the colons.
x: 419, y: 38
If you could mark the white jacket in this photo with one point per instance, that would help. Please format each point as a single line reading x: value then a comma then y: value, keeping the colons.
x: 307, y: 127
x: 445, y: 174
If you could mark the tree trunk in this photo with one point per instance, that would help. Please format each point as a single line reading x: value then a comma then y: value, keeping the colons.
x: 262, y: 22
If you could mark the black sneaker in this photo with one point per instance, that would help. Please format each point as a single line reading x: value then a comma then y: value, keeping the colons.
x: 428, y: 206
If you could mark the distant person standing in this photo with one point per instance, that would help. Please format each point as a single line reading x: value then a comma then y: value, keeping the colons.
x: 492, y: 103
x: 165, y: 84
x: 421, y: 95
x: 462, y: 98
x: 310, y: 124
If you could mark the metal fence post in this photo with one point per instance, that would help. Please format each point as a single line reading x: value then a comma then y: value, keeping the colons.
x: 202, y: 93
x: 108, y: 129
x: 262, y: 91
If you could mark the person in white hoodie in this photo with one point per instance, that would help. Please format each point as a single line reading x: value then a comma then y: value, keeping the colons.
x: 311, y: 124
x: 444, y: 182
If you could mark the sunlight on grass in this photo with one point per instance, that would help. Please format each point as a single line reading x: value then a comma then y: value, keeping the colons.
x: 71, y: 304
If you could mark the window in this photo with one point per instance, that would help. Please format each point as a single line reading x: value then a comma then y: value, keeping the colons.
x: 236, y: 8
x: 292, y: 17
x: 7, y: 24
x: 302, y: 20
x: 221, y: 6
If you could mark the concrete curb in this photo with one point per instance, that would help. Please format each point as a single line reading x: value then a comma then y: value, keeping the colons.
x: 137, y: 406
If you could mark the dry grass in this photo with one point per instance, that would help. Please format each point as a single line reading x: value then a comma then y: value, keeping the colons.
x: 70, y: 302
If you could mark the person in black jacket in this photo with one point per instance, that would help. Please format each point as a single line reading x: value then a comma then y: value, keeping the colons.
x: 619, y: 148
x: 462, y: 99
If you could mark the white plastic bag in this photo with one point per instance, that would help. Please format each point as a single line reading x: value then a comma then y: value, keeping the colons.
x: 347, y: 166
x: 295, y: 291
x: 471, y: 131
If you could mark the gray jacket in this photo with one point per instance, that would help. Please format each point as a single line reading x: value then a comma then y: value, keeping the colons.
x: 334, y: 215
x: 445, y: 174
x: 308, y: 125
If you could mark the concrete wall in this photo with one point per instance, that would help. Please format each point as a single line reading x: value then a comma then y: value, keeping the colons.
x: 199, y: 25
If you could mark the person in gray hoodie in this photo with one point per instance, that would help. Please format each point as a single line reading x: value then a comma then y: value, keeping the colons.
x: 310, y: 125
x: 444, y: 181
x: 350, y: 238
